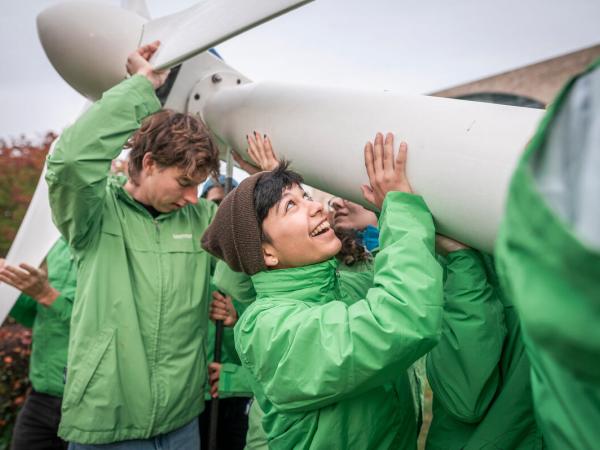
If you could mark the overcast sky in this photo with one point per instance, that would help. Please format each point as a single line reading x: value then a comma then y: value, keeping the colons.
x: 416, y: 46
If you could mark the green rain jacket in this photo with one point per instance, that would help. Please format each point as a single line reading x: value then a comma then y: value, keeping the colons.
x: 50, y: 336
x: 479, y: 371
x: 551, y: 273
x: 333, y: 374
x: 234, y: 380
x: 136, y: 365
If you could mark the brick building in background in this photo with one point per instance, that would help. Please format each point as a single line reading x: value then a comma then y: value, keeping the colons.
x: 535, y: 85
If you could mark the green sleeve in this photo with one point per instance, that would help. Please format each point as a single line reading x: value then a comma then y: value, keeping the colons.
x: 318, y: 355
x: 235, y: 380
x: 355, y: 283
x: 62, y: 308
x: 24, y: 310
x: 463, y: 369
x: 78, y: 168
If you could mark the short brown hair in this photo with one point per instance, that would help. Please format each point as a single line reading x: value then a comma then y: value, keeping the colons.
x: 174, y: 140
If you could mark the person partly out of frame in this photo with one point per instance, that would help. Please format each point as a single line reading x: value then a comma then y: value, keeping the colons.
x: 479, y: 372
x: 45, y: 305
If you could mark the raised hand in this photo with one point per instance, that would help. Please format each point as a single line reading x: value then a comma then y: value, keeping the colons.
x: 29, y: 280
x: 385, y: 172
x: 445, y: 245
x: 260, y: 150
x: 138, y: 64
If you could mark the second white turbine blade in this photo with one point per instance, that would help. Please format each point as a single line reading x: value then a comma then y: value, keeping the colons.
x: 196, y: 29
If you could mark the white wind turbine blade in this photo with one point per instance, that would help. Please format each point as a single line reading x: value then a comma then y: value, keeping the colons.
x: 88, y: 43
x: 34, y: 239
x: 460, y: 158
x: 37, y: 233
x: 137, y: 6
x: 208, y: 23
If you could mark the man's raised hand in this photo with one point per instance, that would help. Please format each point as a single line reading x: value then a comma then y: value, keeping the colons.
x: 138, y: 64
x: 386, y: 173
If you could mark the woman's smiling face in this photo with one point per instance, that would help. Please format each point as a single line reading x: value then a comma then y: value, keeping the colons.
x: 298, y: 232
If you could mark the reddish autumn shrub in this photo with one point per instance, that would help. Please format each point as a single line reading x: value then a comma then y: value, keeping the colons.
x: 21, y: 163
x: 15, y: 348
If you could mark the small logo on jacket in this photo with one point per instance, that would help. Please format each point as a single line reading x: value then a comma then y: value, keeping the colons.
x: 182, y: 236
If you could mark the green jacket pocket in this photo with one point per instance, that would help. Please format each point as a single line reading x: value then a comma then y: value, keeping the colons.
x: 74, y: 393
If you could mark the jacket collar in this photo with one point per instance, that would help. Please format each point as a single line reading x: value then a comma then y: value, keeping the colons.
x: 316, y: 283
x: 118, y: 183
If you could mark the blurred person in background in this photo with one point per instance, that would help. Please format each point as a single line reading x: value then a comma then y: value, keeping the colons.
x: 228, y: 380
x: 479, y: 372
x: 45, y: 305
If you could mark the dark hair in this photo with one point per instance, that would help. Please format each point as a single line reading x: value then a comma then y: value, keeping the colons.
x: 353, y: 251
x: 174, y: 140
x: 269, y: 190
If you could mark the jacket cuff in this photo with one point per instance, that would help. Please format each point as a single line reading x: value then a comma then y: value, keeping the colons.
x: 232, y: 380
x: 62, y: 307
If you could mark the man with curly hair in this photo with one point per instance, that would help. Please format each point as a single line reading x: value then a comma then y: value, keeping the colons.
x: 136, y: 366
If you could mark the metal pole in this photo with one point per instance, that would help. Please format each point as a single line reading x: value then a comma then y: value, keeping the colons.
x: 214, y: 405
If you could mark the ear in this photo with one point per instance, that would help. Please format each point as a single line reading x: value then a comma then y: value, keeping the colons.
x: 270, y: 255
x: 148, y: 163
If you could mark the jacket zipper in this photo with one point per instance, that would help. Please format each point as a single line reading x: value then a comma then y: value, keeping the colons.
x: 153, y: 374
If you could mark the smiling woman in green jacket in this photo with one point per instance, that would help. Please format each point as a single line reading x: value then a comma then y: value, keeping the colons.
x: 329, y: 374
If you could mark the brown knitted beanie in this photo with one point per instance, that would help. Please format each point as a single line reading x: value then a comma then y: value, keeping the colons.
x: 234, y: 234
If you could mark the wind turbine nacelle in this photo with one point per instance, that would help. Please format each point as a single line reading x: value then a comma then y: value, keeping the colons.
x: 88, y: 43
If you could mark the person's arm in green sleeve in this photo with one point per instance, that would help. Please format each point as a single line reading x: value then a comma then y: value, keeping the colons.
x: 463, y: 368
x: 78, y: 168
x: 34, y: 286
x: 24, y: 310
x: 320, y: 355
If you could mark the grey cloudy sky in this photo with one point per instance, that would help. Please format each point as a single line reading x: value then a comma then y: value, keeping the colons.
x: 401, y: 45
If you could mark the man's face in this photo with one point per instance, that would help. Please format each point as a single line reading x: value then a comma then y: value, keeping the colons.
x: 167, y: 189
x: 216, y: 194
x: 299, y: 232
x: 347, y: 215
